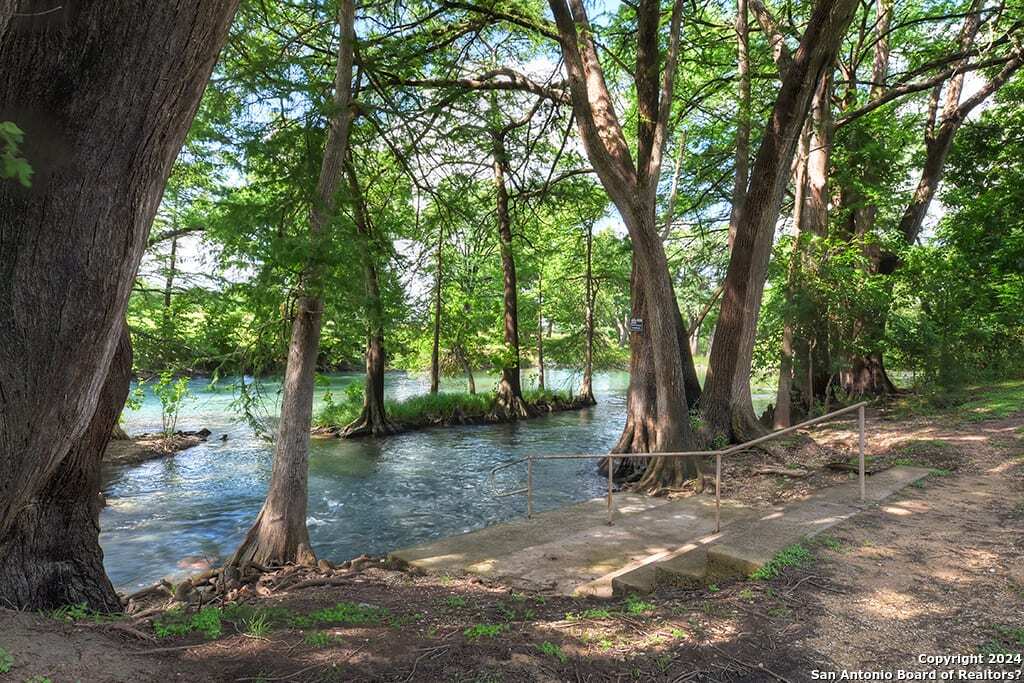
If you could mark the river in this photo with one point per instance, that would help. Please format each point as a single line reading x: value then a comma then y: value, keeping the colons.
x: 172, y: 516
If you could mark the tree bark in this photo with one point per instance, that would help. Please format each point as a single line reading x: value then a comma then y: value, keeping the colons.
x: 741, y: 177
x: 727, y: 406
x: 279, y: 534
x: 435, y: 350
x: 70, y: 245
x: 657, y: 422
x: 373, y: 419
x: 587, y: 385
x: 510, y: 403
x: 52, y: 556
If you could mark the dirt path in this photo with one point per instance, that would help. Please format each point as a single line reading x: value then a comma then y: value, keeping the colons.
x: 937, y: 570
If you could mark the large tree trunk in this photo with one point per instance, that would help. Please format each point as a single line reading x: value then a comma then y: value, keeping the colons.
x: 70, y: 245
x: 587, y: 385
x: 510, y: 403
x: 741, y: 176
x: 812, y: 221
x: 435, y: 349
x: 726, y: 405
x: 373, y: 419
x: 279, y: 534
x: 51, y: 556
x: 540, y: 331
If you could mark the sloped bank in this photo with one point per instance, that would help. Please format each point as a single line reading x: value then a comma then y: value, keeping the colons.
x: 445, y: 410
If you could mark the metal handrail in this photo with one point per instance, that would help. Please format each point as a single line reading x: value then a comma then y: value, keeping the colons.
x: 612, y: 457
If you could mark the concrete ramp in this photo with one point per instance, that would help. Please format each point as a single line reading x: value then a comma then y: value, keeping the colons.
x: 654, y: 541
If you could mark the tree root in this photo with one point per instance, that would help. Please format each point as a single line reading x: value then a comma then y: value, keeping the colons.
x: 372, y: 422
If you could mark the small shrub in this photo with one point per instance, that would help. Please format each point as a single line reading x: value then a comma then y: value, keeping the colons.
x: 552, y: 650
x: 477, y: 631
x: 318, y: 639
x: 795, y: 555
x: 713, y: 588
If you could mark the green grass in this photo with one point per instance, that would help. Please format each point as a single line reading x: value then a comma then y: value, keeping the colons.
x: 635, y: 605
x: 993, y: 402
x: 319, y: 639
x: 427, y: 408
x: 593, y: 613
x: 80, y: 612
x: 477, y: 631
x: 455, y: 601
x: 258, y: 625
x: 175, y: 622
x: 6, y: 661
x: 795, y: 555
x: 345, y: 613
x: 552, y: 650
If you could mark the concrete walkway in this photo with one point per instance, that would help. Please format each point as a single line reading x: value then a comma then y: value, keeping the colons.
x: 653, y: 541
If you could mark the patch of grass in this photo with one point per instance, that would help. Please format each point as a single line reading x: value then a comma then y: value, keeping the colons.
x: 713, y: 588
x: 993, y: 402
x: 176, y: 622
x: 38, y: 679
x: 6, y: 661
x: 319, y: 639
x: 1012, y: 634
x: 795, y: 555
x: 746, y: 594
x: 80, y: 612
x: 258, y: 626
x: 830, y: 542
x: 635, y: 605
x: 346, y: 613
x: 552, y: 650
x: 455, y: 601
x: 593, y: 613
x: 679, y: 633
x: 477, y: 631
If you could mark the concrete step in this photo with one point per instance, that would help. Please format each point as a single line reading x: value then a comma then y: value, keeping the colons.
x: 750, y: 545
x: 686, y: 570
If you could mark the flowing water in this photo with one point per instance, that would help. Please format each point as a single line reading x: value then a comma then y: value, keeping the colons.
x: 175, y: 515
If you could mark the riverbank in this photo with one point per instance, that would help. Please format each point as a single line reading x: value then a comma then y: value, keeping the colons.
x: 141, y: 448
x: 443, y: 410
x: 936, y: 570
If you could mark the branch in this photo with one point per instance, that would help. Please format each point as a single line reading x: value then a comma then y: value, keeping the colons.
x: 780, y: 53
x: 509, y: 80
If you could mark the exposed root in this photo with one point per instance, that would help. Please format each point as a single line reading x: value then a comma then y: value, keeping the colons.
x: 372, y: 422
x: 510, y: 407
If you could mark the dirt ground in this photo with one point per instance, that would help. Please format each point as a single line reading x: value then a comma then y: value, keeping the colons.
x: 936, y: 570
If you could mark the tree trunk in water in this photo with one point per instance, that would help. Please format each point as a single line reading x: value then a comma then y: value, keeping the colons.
x: 373, y: 419
x: 540, y: 333
x: 51, y: 557
x: 435, y: 350
x: 279, y: 534
x: 587, y: 386
x: 510, y: 403
x: 70, y: 247
x: 727, y: 406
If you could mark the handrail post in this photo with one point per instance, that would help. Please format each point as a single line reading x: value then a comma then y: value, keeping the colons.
x: 718, y: 492
x: 529, y: 487
x: 611, y: 467
x: 860, y: 427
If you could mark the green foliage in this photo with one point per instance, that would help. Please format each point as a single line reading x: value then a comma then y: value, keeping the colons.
x: 795, y: 555
x: 6, y: 661
x: 592, y: 613
x: 477, y: 631
x: 258, y: 626
x: 319, y: 639
x: 177, y: 622
x: 172, y: 394
x: 80, y: 612
x: 554, y: 651
x: 11, y: 164
x: 635, y: 605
